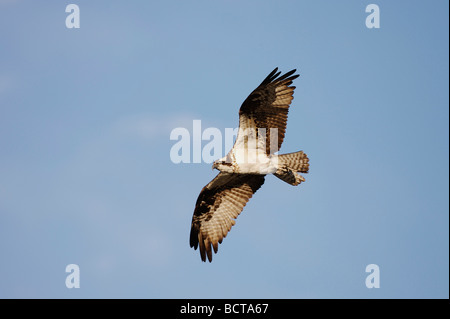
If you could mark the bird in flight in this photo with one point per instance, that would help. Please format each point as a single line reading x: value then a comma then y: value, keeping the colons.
x: 262, y: 126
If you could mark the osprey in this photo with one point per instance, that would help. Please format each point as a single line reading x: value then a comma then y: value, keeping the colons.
x: 262, y: 126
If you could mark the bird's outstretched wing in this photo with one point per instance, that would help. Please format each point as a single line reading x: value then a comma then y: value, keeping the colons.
x: 267, y: 107
x: 217, y: 206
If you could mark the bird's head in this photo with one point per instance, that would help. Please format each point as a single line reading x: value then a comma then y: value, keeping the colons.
x: 223, y: 165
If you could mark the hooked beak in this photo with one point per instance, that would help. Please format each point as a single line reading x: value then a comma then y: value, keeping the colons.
x: 214, y: 166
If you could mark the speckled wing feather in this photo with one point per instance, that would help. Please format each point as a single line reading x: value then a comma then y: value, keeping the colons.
x: 217, y: 207
x: 268, y: 106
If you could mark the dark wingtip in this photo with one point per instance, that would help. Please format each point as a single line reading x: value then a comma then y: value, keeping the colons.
x: 288, y: 76
x: 193, y: 237
x: 272, y: 75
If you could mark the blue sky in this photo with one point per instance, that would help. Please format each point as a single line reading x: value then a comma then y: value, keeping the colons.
x: 86, y: 176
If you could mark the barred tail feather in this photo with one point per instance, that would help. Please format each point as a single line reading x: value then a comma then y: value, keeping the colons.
x: 290, y: 164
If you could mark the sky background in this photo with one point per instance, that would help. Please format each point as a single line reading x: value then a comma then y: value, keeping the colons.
x: 86, y: 176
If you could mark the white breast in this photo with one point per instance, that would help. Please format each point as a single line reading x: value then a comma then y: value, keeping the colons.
x: 254, y: 161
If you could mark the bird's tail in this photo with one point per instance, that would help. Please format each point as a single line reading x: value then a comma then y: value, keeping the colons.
x: 289, y: 165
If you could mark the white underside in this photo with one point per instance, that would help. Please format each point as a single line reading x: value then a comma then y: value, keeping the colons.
x: 251, y: 161
x: 248, y: 154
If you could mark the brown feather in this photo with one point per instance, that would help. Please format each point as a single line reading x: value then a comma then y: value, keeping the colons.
x: 268, y: 106
x: 219, y: 203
